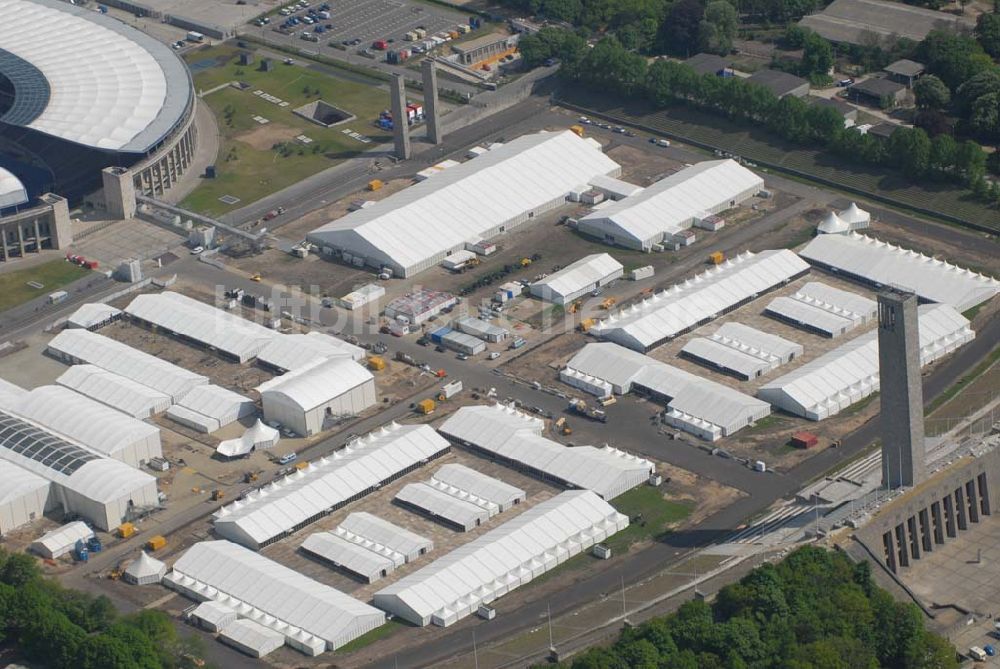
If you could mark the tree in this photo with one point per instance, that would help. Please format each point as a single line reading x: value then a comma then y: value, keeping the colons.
x: 931, y: 93
x: 718, y: 29
x: 988, y: 33
x: 984, y: 118
x: 19, y: 569
x: 679, y: 31
x: 953, y: 58
x: 817, y: 55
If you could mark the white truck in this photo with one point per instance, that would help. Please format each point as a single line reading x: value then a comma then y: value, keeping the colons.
x: 449, y: 390
x: 977, y: 654
x: 192, y: 36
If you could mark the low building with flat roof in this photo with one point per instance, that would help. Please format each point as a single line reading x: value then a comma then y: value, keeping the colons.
x: 905, y: 71
x: 855, y: 21
x: 878, y: 92
x: 709, y: 63
x: 780, y: 83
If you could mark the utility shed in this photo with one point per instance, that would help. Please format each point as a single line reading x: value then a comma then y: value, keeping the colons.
x: 477, y: 487
x: 218, y: 403
x: 61, y: 540
x: 506, y: 434
x: 578, y: 279
x: 449, y: 510
x: 98, y: 427
x: 213, y: 616
x: 102, y: 490
x: 93, y: 316
x: 231, y: 336
x: 367, y: 565
x: 251, y: 638
x: 484, y: 330
x: 288, y: 504
x: 313, y: 617
x: 144, y: 570
x: 522, y: 549
x: 329, y: 388
x: 294, y: 351
x: 741, y: 351
x: 849, y: 373
x: 878, y: 263
x: 414, y: 229
x: 80, y: 346
x: 463, y: 343
x: 700, y: 299
x: 24, y: 497
x: 644, y: 220
x: 823, y: 309
x: 399, y: 544
x: 116, y: 391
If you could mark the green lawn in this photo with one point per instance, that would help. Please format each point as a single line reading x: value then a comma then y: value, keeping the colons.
x: 377, y: 634
x: 248, y: 166
x: 657, y: 514
x: 14, y: 288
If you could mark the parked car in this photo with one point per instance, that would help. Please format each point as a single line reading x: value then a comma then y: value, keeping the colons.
x: 493, y: 355
x: 286, y: 458
x: 196, y: 250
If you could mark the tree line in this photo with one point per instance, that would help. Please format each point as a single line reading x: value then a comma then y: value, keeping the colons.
x: 814, y: 610
x: 66, y: 629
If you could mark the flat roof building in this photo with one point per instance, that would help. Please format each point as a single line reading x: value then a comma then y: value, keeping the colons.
x: 854, y: 21
x: 709, y: 63
x: 877, y: 92
x: 578, y: 279
x: 780, y: 83
x: 485, y: 48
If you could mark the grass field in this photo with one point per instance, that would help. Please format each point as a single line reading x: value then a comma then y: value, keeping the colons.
x: 248, y: 167
x: 657, y: 515
x: 14, y: 288
x: 377, y: 634
x: 945, y: 200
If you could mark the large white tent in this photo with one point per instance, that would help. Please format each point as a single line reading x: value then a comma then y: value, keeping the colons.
x: 695, y: 404
x: 879, y: 263
x: 578, y: 279
x: 312, y: 617
x: 292, y: 502
x: 823, y: 309
x: 93, y: 315
x: 455, y: 585
x: 251, y: 638
x: 229, y: 334
x: 24, y: 496
x: 60, y: 541
x: 507, y: 434
x: 706, y: 296
x: 222, y: 405
x: 114, y: 390
x: 368, y: 565
x: 644, y: 220
x: 451, y: 511
x: 416, y: 228
x: 144, y: 570
x: 98, y: 427
x: 81, y: 346
x: 849, y: 373
x: 742, y: 351
x: 484, y: 490
x: 10, y: 392
x: 398, y: 543
x: 293, y: 351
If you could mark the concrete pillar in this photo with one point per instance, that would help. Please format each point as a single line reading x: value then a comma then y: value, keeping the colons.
x: 20, y: 239
x: 400, y: 127
x: 904, y: 556
x: 938, y: 522
x: 972, y: 500
x: 984, y: 494
x: 926, y: 540
x: 429, y: 71
x: 3, y: 246
x: 914, y: 534
x: 119, y: 192
x: 890, y: 551
x: 949, y: 517
x: 960, y: 513
x: 38, y: 237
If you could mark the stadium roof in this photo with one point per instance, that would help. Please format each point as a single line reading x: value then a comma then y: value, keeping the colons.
x: 817, y: 306
x: 16, y: 482
x: 454, y: 586
x: 202, y: 323
x: 580, y: 275
x: 832, y: 382
x: 89, y: 347
x: 271, y: 594
x: 880, y: 263
x: 504, y: 432
x: 88, y: 78
x: 397, y: 543
x: 712, y: 402
x: 468, y: 201
x: 671, y: 204
x: 98, y: 427
x: 126, y: 395
x: 317, y: 383
x: 12, y: 191
x: 850, y: 20
x: 288, y: 503
x: 699, y: 299
x: 292, y: 351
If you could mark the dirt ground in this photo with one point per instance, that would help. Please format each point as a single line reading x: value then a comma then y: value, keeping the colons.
x: 966, y: 249
x: 265, y: 136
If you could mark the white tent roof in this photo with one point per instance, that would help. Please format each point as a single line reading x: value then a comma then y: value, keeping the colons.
x: 500, y: 560
x: 12, y: 191
x: 122, y: 359
x: 318, y: 382
x: 671, y: 204
x: 10, y: 393
x: 824, y: 386
x: 145, y: 566
x: 110, y: 86
x: 383, y: 536
x: 91, y: 314
x: 327, y: 482
x: 217, y: 402
x: 277, y: 591
x: 743, y: 349
x: 697, y: 396
x: 582, y: 274
x: 498, y: 429
x: 203, y: 323
x: 438, y: 503
x: 855, y: 214
x: 833, y: 225
x: 16, y: 482
x: 97, y: 426
x: 702, y: 297
x: 293, y: 351
x: 882, y: 263
x: 347, y: 554
x: 214, y: 612
x: 477, y: 485
x: 252, y: 636
x: 56, y: 541
x: 468, y: 201
x: 256, y: 435
x: 126, y: 395
x: 193, y: 419
x: 824, y: 307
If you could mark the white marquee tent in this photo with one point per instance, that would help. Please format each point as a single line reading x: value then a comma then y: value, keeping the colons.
x: 578, y: 279
x: 823, y: 309
x: 144, y: 570
x: 24, y: 496
x: 293, y: 351
x: 116, y: 391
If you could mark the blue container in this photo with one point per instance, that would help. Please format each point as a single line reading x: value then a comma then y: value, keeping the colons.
x: 438, y: 334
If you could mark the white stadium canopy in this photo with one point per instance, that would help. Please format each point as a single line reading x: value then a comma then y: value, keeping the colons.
x: 578, y: 279
x: 12, y: 191
x: 81, y: 346
x: 412, y: 230
x: 97, y: 81
x: 882, y: 264
x: 313, y: 617
x: 849, y: 373
x: 507, y: 434
x: 455, y: 585
x: 714, y: 292
x: 294, y: 501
